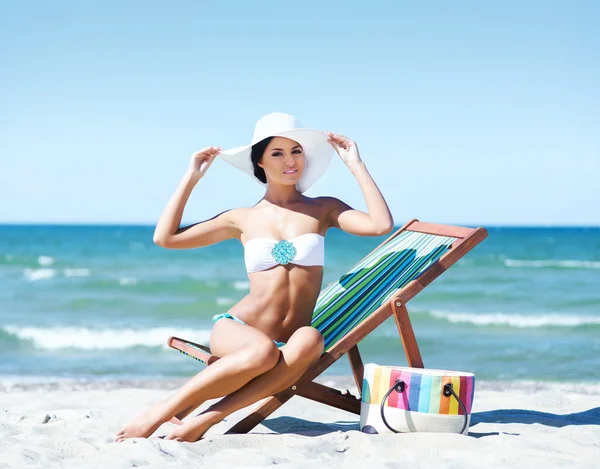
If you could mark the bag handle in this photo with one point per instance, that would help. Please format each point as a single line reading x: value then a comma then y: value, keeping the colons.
x: 399, y: 386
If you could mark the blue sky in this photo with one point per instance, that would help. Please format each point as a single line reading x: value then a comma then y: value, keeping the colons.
x: 478, y: 113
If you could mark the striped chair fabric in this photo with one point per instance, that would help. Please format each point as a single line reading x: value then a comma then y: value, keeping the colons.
x: 373, y: 281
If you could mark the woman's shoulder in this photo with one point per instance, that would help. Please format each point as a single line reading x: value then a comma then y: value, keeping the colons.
x: 328, y: 207
x: 238, y: 214
x: 327, y: 202
x: 325, y: 199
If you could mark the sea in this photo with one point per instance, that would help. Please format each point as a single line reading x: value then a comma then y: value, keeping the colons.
x: 99, y: 302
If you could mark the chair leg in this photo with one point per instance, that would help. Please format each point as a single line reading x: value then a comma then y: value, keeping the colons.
x: 329, y: 396
x: 262, y: 412
x: 357, y: 366
x: 411, y: 349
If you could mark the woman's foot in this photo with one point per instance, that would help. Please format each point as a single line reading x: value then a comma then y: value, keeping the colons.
x: 143, y: 425
x: 193, y: 429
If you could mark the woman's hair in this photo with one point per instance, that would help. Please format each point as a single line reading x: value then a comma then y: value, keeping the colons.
x: 256, y: 154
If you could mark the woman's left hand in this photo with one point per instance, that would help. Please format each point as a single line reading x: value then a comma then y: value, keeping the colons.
x: 344, y: 147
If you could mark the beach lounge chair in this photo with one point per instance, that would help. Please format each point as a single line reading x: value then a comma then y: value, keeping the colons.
x: 348, y: 310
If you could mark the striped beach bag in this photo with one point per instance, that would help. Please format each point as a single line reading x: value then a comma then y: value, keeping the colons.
x: 403, y: 400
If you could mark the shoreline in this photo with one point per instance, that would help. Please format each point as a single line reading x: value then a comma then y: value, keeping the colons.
x: 18, y: 384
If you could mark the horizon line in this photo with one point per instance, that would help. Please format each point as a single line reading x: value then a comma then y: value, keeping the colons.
x: 151, y: 224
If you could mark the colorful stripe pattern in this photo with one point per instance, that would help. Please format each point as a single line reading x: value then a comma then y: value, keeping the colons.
x: 424, y: 391
x: 373, y: 281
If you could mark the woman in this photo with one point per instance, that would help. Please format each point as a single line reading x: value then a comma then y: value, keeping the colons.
x: 265, y: 342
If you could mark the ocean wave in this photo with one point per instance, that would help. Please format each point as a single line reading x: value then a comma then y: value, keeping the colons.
x: 128, y: 281
x: 552, y: 263
x: 517, y: 320
x: 224, y: 301
x: 45, y: 273
x: 76, y: 272
x: 45, y: 260
x: 39, y: 274
x: 55, y: 338
x: 241, y: 285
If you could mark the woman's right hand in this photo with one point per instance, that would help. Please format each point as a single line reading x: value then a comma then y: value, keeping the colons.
x: 201, y: 161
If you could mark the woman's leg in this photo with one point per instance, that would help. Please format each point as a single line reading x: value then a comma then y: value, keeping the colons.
x: 245, y: 353
x: 302, y: 350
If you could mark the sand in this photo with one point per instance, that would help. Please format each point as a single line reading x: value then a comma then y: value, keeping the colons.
x: 71, y: 424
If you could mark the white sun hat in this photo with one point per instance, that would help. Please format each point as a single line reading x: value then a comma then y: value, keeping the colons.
x: 317, y: 149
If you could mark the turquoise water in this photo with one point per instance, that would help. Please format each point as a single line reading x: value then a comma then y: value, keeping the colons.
x: 100, y: 301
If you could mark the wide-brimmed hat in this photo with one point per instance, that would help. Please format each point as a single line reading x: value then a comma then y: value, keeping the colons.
x: 317, y: 149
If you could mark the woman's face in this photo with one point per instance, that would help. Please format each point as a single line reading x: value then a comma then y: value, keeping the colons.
x: 283, y: 161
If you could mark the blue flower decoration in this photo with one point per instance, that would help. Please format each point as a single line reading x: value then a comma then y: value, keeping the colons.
x: 283, y: 252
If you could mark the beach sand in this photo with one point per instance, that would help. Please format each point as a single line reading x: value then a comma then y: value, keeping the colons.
x: 71, y: 424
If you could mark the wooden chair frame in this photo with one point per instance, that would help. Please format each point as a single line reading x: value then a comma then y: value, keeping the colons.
x: 466, y: 239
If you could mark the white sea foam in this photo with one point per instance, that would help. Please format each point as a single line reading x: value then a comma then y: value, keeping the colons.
x: 46, y: 273
x: 224, y: 301
x: 128, y: 281
x: 241, y: 285
x: 518, y: 320
x: 541, y: 264
x: 77, y: 272
x: 39, y: 274
x: 45, y: 260
x: 54, y: 338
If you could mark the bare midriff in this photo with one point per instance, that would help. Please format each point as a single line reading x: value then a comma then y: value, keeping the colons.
x: 281, y: 299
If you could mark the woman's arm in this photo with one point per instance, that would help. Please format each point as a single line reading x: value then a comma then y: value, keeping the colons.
x: 168, y: 233
x: 378, y: 220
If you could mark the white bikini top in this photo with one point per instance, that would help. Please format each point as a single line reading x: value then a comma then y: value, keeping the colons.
x: 263, y: 253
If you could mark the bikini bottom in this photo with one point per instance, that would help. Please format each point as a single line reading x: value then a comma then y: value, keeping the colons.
x: 229, y: 316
